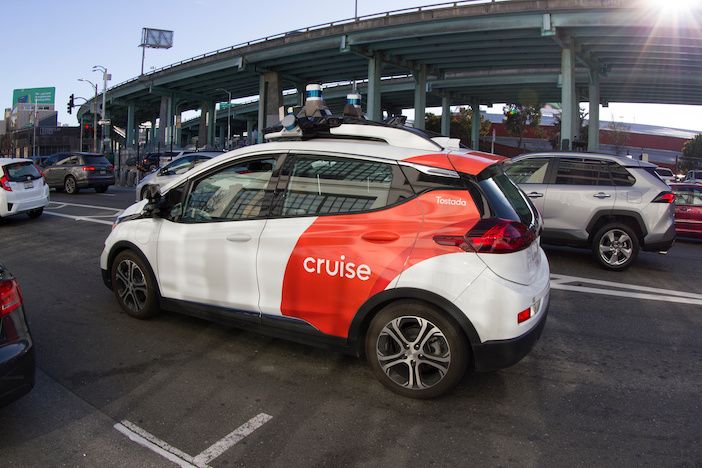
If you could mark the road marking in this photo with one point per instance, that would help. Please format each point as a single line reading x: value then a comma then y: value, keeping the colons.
x: 624, y: 290
x: 153, y: 443
x: 63, y: 204
x: 79, y: 218
x: 231, y: 439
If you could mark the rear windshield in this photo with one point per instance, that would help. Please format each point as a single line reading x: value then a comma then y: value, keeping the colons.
x: 664, y: 172
x: 505, y: 198
x: 99, y: 160
x: 18, y: 172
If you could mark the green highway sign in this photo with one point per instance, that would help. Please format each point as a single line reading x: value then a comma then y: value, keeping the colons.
x: 34, y: 96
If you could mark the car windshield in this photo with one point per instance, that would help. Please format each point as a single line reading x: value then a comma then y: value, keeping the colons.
x: 20, y: 171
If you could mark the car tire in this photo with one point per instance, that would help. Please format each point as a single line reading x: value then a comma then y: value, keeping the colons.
x: 35, y: 213
x: 415, y: 350
x: 151, y: 168
x: 101, y: 188
x: 142, y: 195
x: 70, y: 186
x: 134, y: 286
x: 615, y: 246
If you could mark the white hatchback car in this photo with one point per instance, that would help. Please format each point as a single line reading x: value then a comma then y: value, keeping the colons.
x: 178, y: 166
x: 382, y: 243
x: 22, y: 188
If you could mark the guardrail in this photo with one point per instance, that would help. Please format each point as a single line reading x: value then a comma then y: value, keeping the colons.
x: 435, y: 6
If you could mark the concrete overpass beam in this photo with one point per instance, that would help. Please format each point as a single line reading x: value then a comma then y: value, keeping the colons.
x: 374, y: 70
x: 445, y: 115
x: 420, y: 97
x: 475, y: 125
x: 567, y: 97
x: 593, y: 137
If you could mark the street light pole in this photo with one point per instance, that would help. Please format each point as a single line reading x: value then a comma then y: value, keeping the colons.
x: 105, y: 78
x: 229, y: 116
x: 95, y: 87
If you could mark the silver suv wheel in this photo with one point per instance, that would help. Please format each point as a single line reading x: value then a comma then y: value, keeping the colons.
x: 615, y: 246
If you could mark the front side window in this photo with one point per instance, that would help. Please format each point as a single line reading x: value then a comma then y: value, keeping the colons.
x: 70, y: 161
x: 528, y: 171
x: 321, y: 185
x: 235, y: 193
x: 583, y: 172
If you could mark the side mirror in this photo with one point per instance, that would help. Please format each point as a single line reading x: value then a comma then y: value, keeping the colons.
x: 153, y: 197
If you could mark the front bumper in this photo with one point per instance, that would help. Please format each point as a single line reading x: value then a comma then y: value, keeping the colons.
x: 498, y: 354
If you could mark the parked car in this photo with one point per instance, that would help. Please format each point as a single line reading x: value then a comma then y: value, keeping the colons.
x: 614, y: 206
x: 693, y: 176
x: 22, y: 188
x: 665, y: 174
x: 17, y: 365
x: 178, y: 166
x: 382, y: 244
x: 80, y: 170
x: 150, y: 161
x: 688, y: 210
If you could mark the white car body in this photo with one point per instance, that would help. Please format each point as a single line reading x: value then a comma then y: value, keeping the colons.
x: 20, y: 196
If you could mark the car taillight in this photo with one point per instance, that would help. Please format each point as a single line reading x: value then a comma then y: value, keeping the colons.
x: 5, y: 183
x: 664, y: 197
x: 492, y: 235
x: 10, y: 296
x: 88, y: 168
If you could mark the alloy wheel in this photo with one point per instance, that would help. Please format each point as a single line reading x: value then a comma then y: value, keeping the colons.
x: 616, y: 247
x: 131, y: 285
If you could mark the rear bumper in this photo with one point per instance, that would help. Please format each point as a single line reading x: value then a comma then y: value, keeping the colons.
x: 96, y: 181
x: 498, y: 354
x: 660, y: 242
x: 17, y: 361
x: 20, y: 204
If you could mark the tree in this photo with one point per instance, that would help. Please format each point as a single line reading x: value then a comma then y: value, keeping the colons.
x: 461, y: 124
x: 692, y: 154
x: 519, y: 117
x: 619, y: 135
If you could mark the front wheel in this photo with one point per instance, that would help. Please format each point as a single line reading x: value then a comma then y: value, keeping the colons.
x: 134, y: 286
x: 70, y: 186
x: 615, y: 246
x: 415, y: 350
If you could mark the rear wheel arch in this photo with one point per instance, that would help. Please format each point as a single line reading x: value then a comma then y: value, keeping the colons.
x: 628, y: 218
x: 365, y: 314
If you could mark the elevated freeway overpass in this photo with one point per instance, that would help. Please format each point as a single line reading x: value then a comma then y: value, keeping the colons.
x: 470, y: 52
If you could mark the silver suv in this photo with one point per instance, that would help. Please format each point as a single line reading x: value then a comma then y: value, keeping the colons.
x: 615, y: 206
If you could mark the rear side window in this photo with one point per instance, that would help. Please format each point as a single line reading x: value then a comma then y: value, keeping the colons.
x: 99, y: 160
x: 422, y: 182
x: 506, y: 199
x: 620, y: 176
x: 21, y: 171
x: 583, y: 172
x: 325, y: 185
x: 528, y: 171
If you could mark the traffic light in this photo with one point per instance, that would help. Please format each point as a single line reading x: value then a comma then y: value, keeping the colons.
x: 71, y: 104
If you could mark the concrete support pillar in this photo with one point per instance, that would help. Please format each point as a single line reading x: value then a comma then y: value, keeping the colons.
x: 593, y: 136
x: 445, y: 116
x: 300, y: 94
x: 163, y: 121
x: 223, y: 135
x: 420, y: 97
x: 202, y: 133
x: 576, y: 114
x: 374, y: 70
x: 131, y: 111
x: 211, y: 123
x: 567, y: 97
x: 152, y: 134
x: 475, y: 125
x: 172, y: 131
x: 270, y: 102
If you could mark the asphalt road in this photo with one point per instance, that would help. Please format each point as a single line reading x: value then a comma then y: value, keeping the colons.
x: 614, y: 381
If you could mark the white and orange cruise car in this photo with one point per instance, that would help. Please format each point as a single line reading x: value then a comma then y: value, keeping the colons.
x: 373, y: 239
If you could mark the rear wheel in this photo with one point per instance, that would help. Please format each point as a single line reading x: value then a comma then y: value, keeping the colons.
x: 35, y: 213
x: 70, y: 186
x: 615, y: 246
x: 134, y: 286
x: 101, y: 188
x: 415, y: 350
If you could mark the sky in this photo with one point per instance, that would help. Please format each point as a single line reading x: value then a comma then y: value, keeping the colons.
x: 54, y: 43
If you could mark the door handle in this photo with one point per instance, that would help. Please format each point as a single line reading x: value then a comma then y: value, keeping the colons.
x: 380, y: 236
x: 602, y: 195
x: 535, y: 195
x: 239, y: 237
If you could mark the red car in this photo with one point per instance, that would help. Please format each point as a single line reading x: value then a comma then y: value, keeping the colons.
x: 688, y: 209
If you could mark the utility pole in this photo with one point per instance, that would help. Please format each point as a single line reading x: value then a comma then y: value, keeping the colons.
x: 34, y: 130
x: 95, y: 88
x: 105, y: 78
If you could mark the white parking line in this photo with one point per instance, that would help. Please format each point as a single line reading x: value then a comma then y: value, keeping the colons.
x: 623, y: 290
x: 84, y: 206
x: 153, y: 443
x: 79, y: 218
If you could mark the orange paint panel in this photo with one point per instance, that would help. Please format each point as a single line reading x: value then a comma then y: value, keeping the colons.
x: 473, y: 163
x: 341, y: 261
